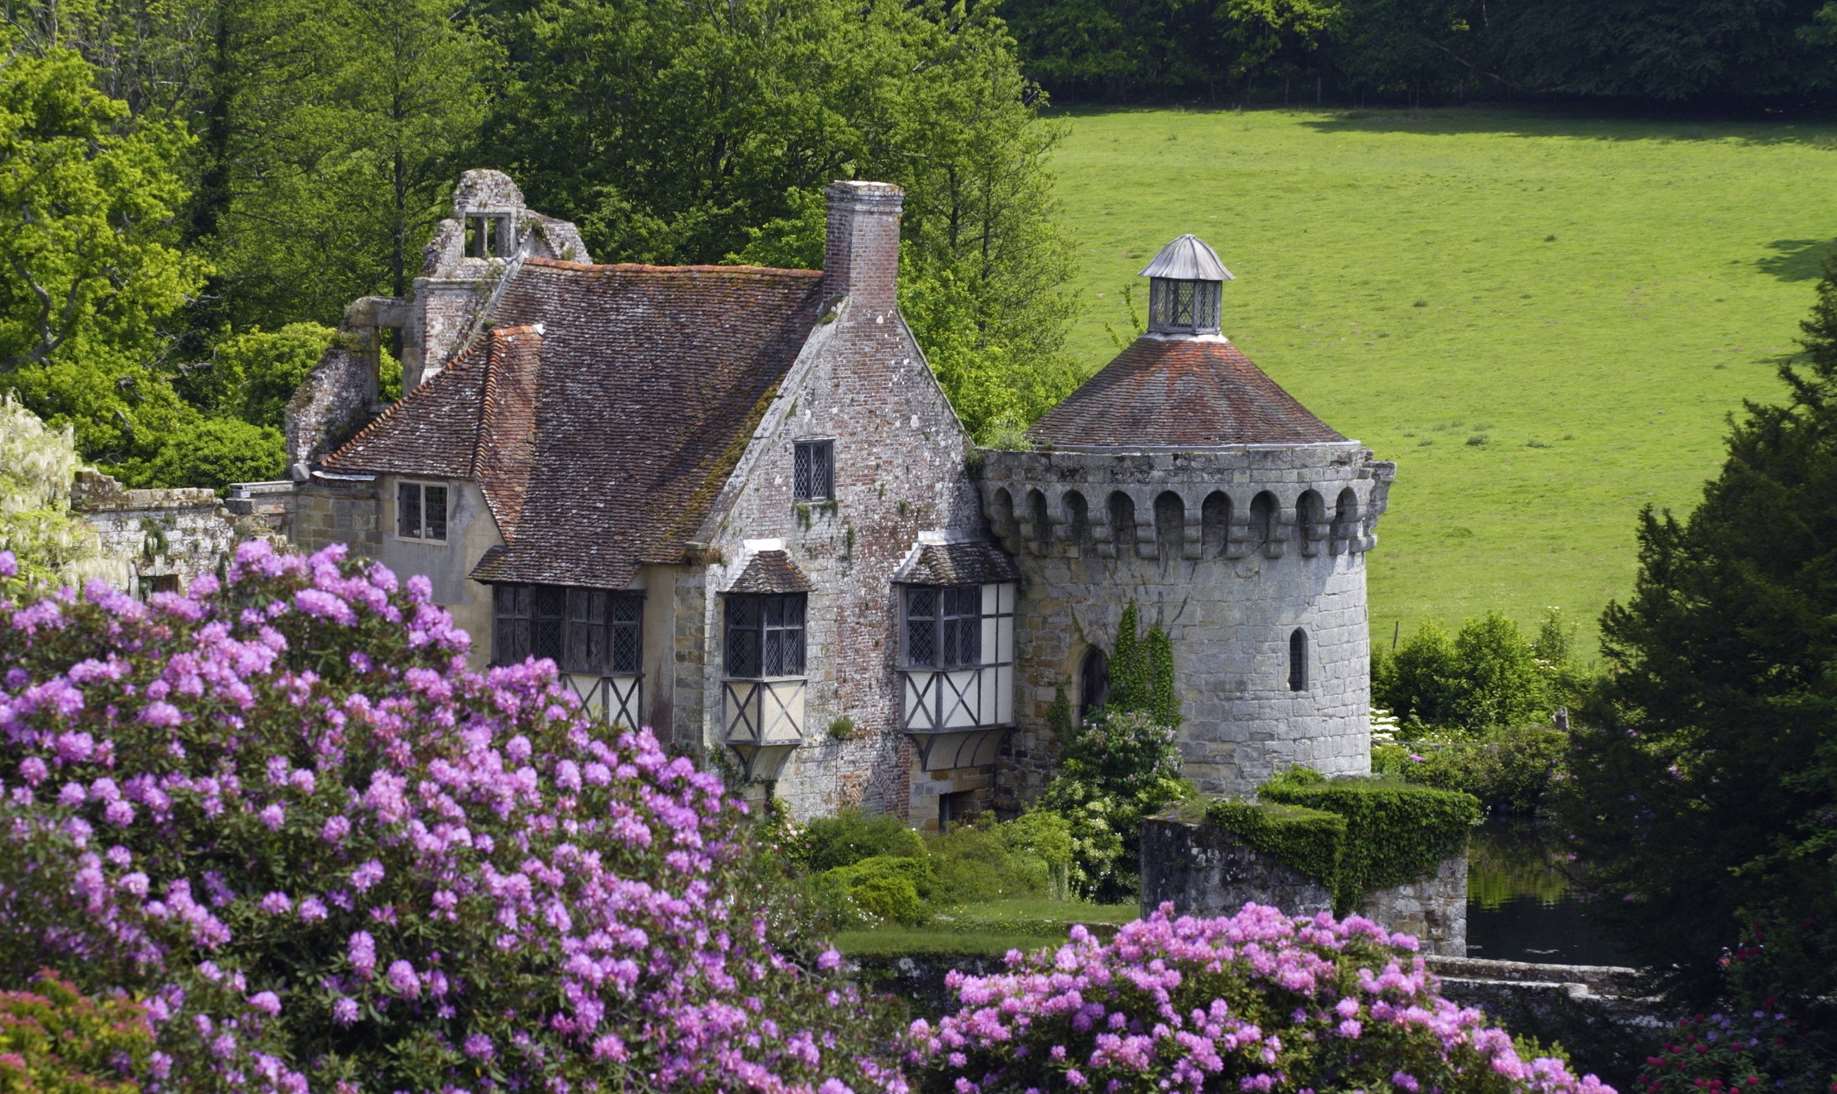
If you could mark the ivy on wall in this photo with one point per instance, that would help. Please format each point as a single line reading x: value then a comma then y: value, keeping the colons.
x: 1389, y: 833
x: 1142, y: 671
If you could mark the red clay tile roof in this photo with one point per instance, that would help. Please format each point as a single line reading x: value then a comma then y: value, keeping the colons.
x: 770, y: 572
x: 1179, y: 393
x: 605, y: 440
x: 957, y: 564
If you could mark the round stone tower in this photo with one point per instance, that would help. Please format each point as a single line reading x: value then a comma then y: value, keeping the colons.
x: 1182, y: 478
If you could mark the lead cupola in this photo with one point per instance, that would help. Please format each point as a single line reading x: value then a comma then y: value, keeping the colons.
x: 1184, y: 283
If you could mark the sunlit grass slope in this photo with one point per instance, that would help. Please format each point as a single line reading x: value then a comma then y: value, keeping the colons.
x: 1543, y: 319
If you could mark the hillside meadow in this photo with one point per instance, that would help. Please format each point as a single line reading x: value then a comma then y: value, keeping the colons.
x: 1544, y: 319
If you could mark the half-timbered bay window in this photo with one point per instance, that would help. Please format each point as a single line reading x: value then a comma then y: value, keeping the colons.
x: 765, y: 636
x: 957, y: 664
x: 595, y: 636
x: 420, y: 510
x: 762, y: 693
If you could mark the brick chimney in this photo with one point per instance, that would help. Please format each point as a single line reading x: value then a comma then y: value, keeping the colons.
x: 861, y: 252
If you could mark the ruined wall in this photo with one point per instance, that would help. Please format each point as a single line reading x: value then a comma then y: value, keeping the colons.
x: 1179, y: 534
x: 167, y: 537
x: 899, y: 469
x: 1205, y: 870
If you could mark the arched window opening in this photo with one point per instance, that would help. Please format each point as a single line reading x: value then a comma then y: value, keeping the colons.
x: 1077, y: 518
x: 1170, y: 525
x: 1310, y: 514
x: 1298, y: 660
x: 1093, y: 683
x: 1346, y: 517
x: 1042, y: 525
x: 1122, y: 522
x: 1262, y: 519
x: 1001, y: 514
x: 1215, y: 524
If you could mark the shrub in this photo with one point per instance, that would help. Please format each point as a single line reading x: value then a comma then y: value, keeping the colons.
x: 1509, y: 770
x: 850, y: 836
x: 1395, y: 832
x: 1115, y: 770
x: 1418, y: 682
x: 1719, y: 1052
x: 281, y: 810
x: 37, y: 465
x: 1487, y: 676
x: 1048, y: 837
x: 1310, y: 840
x: 978, y: 863
x: 56, y: 1040
x: 1257, y: 1001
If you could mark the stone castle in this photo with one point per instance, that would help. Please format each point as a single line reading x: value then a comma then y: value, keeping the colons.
x: 732, y: 503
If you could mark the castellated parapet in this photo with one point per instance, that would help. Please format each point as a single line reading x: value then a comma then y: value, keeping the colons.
x: 1233, y: 551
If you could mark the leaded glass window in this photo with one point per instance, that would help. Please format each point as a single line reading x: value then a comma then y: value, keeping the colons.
x: 944, y: 626
x: 813, y: 470
x: 420, y: 510
x: 589, y: 631
x: 765, y: 635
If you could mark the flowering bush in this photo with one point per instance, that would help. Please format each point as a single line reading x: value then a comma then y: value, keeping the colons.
x: 1114, y: 770
x: 52, y: 1038
x: 1763, y: 1050
x: 1256, y: 1001
x: 281, y: 810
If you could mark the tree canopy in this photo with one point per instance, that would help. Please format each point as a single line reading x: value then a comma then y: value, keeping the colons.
x: 1708, y: 782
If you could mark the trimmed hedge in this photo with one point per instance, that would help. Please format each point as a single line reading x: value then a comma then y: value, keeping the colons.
x: 1311, y: 840
x: 888, y: 887
x: 850, y: 836
x: 1395, y: 832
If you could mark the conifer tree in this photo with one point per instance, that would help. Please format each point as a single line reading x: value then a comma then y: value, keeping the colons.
x: 1129, y: 686
x: 1164, y: 702
x: 1707, y: 780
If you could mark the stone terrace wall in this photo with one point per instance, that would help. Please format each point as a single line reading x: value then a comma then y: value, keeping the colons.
x: 1204, y: 870
x: 168, y: 537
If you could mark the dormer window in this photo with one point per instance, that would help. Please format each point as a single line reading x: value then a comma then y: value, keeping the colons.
x: 1184, y: 284
x: 488, y: 235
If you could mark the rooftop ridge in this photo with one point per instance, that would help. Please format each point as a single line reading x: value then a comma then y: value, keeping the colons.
x: 651, y: 268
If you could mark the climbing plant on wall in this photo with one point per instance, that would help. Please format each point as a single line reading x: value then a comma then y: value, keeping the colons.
x: 1142, y: 671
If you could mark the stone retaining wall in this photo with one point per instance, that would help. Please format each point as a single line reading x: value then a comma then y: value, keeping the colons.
x: 1205, y: 870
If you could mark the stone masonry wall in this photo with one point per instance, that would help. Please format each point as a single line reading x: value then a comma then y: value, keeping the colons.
x: 1188, y: 553
x: 166, y: 536
x: 863, y: 382
x: 1205, y: 870
x: 337, y: 511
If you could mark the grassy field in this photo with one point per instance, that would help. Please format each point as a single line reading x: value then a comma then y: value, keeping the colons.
x: 1543, y: 319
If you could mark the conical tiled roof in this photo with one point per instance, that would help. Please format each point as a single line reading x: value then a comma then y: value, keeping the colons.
x: 1181, y: 393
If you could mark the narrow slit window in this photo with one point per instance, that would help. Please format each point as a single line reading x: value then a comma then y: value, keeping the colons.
x: 1298, y: 660
x: 814, y: 471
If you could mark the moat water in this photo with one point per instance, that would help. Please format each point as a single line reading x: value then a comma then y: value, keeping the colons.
x: 1521, y: 905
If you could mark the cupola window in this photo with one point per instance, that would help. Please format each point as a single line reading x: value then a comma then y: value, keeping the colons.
x: 1184, y: 284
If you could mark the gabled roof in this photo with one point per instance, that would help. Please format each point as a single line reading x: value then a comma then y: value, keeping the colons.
x: 969, y: 563
x: 1179, y: 393
x: 770, y: 572
x: 602, y: 442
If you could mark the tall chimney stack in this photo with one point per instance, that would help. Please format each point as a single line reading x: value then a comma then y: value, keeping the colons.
x: 861, y: 252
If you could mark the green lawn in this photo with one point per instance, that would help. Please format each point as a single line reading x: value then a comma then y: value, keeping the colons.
x: 992, y: 928
x: 1589, y: 297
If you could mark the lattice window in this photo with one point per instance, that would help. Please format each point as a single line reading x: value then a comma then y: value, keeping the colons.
x: 547, y: 623
x: 420, y: 510
x: 944, y: 626
x: 1183, y: 304
x: 922, y: 625
x: 511, y: 610
x: 813, y: 470
x: 765, y: 635
x: 627, y: 624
